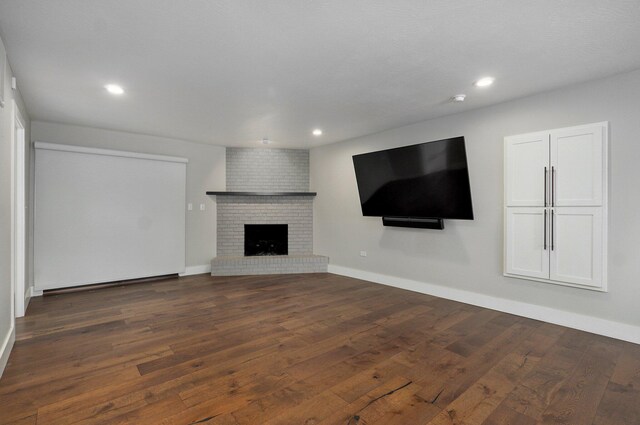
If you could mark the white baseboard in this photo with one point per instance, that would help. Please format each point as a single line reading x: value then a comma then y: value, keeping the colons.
x: 36, y: 292
x: 581, y: 322
x: 188, y: 271
x: 5, y: 349
x: 27, y: 298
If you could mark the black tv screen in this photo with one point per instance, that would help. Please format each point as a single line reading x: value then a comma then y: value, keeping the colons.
x: 427, y: 180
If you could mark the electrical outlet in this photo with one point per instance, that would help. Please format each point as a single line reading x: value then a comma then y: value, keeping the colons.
x: 190, y: 206
x: 363, y: 253
x: 201, y: 207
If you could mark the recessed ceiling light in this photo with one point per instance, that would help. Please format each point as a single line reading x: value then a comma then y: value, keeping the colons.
x: 458, y: 98
x: 114, y: 89
x: 317, y: 132
x: 484, y: 82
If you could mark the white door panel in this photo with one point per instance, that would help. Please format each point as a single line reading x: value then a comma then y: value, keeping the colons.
x: 576, y: 248
x: 577, y: 158
x: 526, y: 253
x: 526, y: 158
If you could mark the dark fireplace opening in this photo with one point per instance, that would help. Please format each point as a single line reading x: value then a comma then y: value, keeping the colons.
x: 266, y: 239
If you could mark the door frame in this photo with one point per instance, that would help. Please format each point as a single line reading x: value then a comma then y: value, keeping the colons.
x: 18, y: 213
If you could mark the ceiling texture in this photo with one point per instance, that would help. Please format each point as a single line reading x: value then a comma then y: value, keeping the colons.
x: 230, y: 72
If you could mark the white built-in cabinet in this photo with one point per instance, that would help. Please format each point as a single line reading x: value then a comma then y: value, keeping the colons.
x: 556, y: 206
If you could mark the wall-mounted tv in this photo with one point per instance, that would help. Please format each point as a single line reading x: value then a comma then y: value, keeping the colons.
x: 428, y: 180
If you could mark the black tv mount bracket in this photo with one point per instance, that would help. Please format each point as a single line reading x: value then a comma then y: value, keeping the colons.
x: 418, y: 223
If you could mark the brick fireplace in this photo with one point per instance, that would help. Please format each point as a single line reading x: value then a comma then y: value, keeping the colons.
x: 266, y: 187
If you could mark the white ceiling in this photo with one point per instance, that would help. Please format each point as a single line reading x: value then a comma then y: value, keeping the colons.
x: 231, y: 72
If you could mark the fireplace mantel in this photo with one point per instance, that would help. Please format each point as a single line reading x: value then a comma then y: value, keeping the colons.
x: 225, y: 193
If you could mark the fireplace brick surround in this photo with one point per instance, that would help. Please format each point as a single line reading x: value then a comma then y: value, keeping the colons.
x: 236, y: 211
x: 266, y: 170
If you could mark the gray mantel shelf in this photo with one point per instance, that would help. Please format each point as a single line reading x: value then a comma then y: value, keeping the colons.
x: 262, y: 193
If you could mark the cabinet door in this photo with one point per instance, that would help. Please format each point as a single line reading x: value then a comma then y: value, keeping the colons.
x: 526, y: 252
x: 576, y: 246
x: 577, y: 158
x: 526, y: 157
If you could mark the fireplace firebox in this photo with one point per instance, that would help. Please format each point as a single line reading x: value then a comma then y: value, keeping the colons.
x: 266, y: 239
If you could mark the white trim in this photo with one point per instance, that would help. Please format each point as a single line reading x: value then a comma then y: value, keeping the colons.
x: 4, y: 64
x: 27, y: 297
x: 108, y: 152
x: 622, y: 331
x: 575, y: 127
x: 555, y: 282
x: 191, y: 270
x: 605, y: 206
x: 18, y: 211
x: 5, y: 349
x: 36, y: 292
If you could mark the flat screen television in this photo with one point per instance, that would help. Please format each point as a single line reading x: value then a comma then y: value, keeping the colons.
x: 427, y: 180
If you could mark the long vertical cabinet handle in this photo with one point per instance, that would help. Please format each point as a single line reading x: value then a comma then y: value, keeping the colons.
x: 552, y: 237
x: 545, y: 187
x: 553, y: 186
x: 545, y: 229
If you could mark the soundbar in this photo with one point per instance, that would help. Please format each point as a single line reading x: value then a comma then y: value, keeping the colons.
x: 419, y: 223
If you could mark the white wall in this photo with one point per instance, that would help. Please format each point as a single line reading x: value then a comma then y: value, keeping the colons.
x: 467, y: 255
x: 6, y: 124
x: 205, y: 171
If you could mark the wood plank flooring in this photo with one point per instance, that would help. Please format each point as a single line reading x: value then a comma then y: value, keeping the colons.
x: 305, y: 349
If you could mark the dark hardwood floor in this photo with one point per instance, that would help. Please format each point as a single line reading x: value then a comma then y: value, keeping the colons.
x: 305, y: 349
